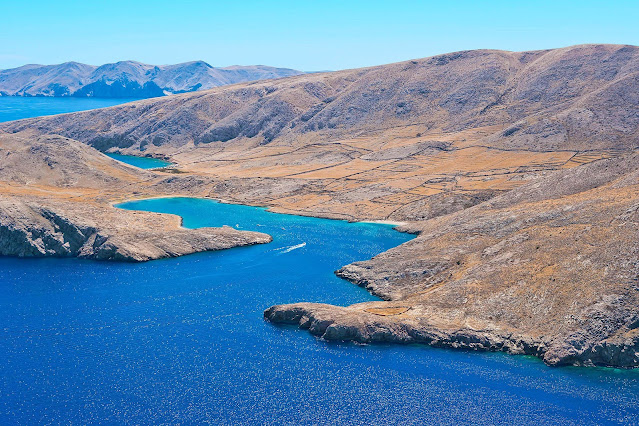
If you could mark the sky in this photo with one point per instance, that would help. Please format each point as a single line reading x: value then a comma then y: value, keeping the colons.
x: 304, y: 34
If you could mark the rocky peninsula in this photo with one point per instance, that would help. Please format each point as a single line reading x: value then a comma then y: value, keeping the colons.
x: 56, y: 195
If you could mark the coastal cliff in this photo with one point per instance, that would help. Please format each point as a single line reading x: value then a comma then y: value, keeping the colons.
x: 35, y: 229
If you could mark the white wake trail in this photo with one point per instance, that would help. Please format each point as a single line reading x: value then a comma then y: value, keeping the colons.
x: 291, y: 248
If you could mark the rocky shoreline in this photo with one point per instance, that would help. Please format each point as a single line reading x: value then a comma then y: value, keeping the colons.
x: 35, y: 229
x: 358, y: 324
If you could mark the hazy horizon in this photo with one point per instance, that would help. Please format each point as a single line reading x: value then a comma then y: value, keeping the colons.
x: 306, y: 36
x: 147, y: 63
x: 275, y: 66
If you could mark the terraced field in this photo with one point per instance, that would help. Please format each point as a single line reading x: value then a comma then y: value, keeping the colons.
x: 390, y: 175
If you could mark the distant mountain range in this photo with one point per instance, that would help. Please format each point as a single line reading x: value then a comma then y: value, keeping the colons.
x: 127, y: 79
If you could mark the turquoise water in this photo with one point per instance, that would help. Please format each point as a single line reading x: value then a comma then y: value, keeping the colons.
x: 141, y: 162
x: 16, y: 107
x: 183, y: 341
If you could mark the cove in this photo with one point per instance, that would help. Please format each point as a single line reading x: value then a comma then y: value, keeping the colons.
x: 184, y: 339
x: 140, y: 162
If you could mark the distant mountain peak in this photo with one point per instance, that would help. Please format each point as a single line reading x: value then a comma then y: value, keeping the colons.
x: 198, y: 63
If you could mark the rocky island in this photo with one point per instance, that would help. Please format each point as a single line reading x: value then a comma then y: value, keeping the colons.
x: 518, y: 170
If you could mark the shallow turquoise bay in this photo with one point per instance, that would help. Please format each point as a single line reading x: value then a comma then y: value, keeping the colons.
x: 140, y: 162
x: 184, y: 340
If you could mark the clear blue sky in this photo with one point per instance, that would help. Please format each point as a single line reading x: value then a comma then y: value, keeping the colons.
x: 302, y: 34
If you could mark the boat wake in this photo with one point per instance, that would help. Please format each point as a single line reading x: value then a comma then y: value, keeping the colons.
x: 291, y: 248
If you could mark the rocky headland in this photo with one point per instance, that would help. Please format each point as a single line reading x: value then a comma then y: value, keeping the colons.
x: 56, y: 195
x: 549, y: 269
x: 518, y: 170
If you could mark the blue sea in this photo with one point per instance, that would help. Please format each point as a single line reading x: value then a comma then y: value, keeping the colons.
x: 184, y: 341
x: 17, y: 107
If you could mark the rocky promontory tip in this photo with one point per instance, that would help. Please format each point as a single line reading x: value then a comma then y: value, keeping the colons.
x: 376, y: 323
x: 40, y: 228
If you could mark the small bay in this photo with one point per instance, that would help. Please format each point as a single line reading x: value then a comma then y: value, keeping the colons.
x: 140, y: 162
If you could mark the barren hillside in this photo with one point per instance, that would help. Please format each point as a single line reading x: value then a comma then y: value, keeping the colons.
x: 405, y: 141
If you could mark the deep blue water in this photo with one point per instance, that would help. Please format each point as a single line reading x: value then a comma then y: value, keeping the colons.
x: 16, y: 107
x: 183, y: 341
x: 141, y: 162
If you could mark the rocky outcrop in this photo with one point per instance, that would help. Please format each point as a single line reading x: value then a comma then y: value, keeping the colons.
x: 549, y: 269
x: 35, y: 229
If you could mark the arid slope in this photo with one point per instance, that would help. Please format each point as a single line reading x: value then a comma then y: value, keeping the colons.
x: 549, y: 269
x: 405, y: 141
